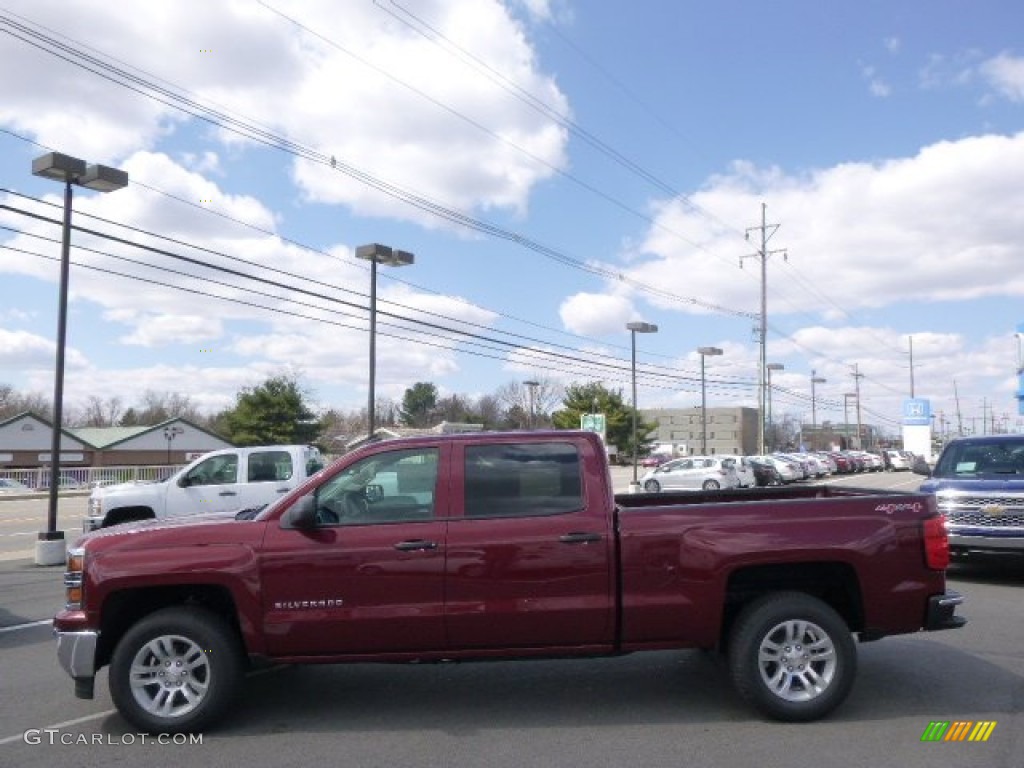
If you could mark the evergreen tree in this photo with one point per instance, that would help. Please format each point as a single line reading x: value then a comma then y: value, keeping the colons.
x: 419, y: 405
x: 272, y: 413
x: 581, y: 399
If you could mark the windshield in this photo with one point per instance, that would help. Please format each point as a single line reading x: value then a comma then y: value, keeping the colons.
x: 982, y: 458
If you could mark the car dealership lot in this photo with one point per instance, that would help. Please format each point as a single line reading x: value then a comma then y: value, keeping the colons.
x: 667, y: 708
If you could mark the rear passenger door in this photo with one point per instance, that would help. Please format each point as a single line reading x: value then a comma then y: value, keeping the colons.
x: 529, y: 554
x: 269, y: 474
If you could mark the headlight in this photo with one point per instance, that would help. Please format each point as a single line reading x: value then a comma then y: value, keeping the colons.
x: 73, y: 579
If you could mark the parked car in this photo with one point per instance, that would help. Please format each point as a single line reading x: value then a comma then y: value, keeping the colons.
x: 690, y: 473
x: 830, y: 463
x: 7, y: 485
x: 802, y: 466
x: 788, y: 471
x: 895, y: 460
x: 765, y: 473
x: 744, y: 471
x: 844, y: 463
x: 654, y: 460
x: 978, y: 484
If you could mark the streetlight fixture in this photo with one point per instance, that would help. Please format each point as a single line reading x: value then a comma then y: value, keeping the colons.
x: 375, y: 253
x: 169, y: 434
x: 532, y: 386
x: 814, y: 415
x: 768, y: 370
x: 50, y: 547
x: 634, y: 328
x: 704, y: 352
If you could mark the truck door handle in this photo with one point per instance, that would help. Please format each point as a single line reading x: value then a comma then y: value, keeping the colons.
x: 579, y: 538
x: 415, y: 544
x: 283, y: 490
x: 228, y: 493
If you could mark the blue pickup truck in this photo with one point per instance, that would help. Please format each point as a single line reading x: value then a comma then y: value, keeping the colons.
x: 978, y: 483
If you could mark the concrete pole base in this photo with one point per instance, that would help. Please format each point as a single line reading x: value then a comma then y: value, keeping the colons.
x: 51, y: 551
x: 634, y: 487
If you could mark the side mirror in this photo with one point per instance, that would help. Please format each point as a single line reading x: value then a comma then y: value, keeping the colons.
x: 921, y: 467
x: 373, y: 492
x: 184, y: 481
x: 301, y: 514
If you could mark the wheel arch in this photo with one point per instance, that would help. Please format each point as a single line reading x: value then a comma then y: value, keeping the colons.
x: 834, y: 583
x: 120, y: 515
x: 123, y: 609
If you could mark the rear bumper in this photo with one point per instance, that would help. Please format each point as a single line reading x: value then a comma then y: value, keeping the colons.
x: 942, y: 612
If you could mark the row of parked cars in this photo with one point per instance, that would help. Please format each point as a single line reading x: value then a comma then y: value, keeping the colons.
x: 723, y: 471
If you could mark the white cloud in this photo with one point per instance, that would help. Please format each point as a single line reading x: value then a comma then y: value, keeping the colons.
x: 947, y: 217
x: 21, y: 350
x: 593, y: 314
x: 1005, y: 73
x: 361, y: 87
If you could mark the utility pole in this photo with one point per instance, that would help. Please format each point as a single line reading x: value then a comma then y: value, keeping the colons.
x: 959, y: 417
x: 767, y: 230
x: 857, y: 376
x: 911, y: 367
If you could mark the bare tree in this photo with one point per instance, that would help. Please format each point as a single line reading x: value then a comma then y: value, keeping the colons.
x: 98, y: 412
x: 516, y: 397
x: 13, y: 402
x: 161, y: 406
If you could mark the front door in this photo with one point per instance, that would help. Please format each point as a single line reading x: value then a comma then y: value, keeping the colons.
x: 210, y: 486
x: 370, y: 577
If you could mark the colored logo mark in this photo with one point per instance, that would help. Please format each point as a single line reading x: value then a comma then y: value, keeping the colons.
x: 958, y: 730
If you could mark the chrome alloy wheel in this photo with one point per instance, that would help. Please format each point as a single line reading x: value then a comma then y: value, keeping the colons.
x: 170, y: 676
x: 797, y: 660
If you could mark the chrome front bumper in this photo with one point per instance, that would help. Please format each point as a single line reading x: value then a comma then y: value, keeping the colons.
x: 1008, y: 544
x: 76, y: 652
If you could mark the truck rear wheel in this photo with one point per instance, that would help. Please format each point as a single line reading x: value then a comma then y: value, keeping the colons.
x: 792, y: 656
x: 175, y: 670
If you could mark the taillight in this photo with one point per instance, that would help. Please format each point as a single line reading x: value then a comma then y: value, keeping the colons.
x: 936, y: 543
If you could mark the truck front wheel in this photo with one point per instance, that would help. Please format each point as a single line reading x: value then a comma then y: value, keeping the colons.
x: 792, y: 656
x: 175, y: 670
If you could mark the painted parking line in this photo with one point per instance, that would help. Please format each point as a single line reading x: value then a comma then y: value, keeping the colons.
x: 58, y: 726
x: 29, y: 625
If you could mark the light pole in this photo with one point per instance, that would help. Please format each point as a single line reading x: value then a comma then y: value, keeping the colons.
x: 50, y: 548
x: 169, y: 434
x: 635, y: 328
x: 768, y: 369
x: 704, y: 352
x: 532, y: 386
x: 392, y: 257
x: 814, y: 415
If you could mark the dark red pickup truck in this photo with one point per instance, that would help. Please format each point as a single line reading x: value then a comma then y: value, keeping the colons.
x: 491, y: 545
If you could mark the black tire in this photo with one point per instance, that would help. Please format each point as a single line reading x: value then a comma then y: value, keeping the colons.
x: 652, y: 486
x: 808, y: 634
x: 201, y: 670
x: 711, y: 485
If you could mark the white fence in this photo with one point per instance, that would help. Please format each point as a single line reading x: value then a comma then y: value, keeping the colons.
x: 81, y: 478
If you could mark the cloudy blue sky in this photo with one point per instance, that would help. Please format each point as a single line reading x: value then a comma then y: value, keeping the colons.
x: 558, y: 169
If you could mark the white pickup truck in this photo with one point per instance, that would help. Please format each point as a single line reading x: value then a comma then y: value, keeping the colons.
x: 220, y: 481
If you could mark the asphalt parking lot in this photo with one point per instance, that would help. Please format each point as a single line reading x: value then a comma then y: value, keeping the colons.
x: 672, y: 708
